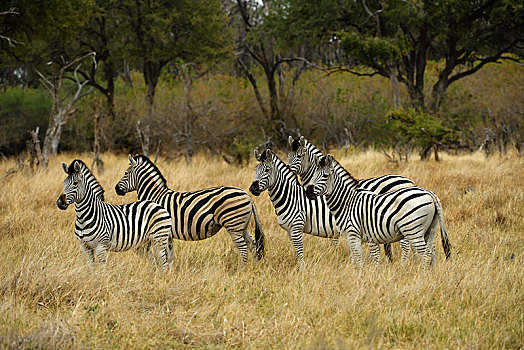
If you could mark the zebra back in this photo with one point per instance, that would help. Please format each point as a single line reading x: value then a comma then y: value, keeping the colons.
x: 303, y: 155
x: 199, y: 214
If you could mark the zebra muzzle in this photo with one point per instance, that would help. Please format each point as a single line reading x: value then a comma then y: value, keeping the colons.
x: 254, y: 188
x: 310, y: 192
x: 119, y: 191
x: 61, y: 202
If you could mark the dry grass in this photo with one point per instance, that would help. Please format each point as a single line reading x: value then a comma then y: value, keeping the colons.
x: 50, y: 298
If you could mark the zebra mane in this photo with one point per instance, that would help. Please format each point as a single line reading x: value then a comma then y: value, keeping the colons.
x: 313, y: 149
x: 309, y: 146
x: 341, y: 170
x: 282, y: 165
x: 152, y: 165
x: 98, y: 190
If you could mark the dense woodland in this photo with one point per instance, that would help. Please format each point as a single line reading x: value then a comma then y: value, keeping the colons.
x: 222, y: 76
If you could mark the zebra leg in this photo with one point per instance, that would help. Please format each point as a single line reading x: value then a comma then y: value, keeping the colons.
x: 170, y: 252
x: 355, y: 246
x: 387, y: 252
x: 101, y: 254
x: 295, y: 234
x: 160, y: 247
x: 417, y: 242
x: 429, y: 254
x: 240, y: 243
x: 374, y: 251
x: 89, y: 254
x: 404, y: 245
x: 249, y: 240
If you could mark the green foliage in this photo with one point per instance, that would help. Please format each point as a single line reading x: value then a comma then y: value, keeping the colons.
x: 400, y: 37
x: 369, y: 50
x: 421, y: 129
x: 21, y: 110
x: 45, y: 27
x: 160, y: 31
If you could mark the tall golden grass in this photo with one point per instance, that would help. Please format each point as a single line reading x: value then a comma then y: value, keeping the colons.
x: 51, y: 299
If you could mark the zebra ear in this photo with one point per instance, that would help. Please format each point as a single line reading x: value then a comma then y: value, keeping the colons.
x: 329, y: 160
x: 290, y: 141
x: 77, y: 167
x: 257, y: 155
x: 302, y: 141
x: 65, y: 167
x: 317, y: 161
x: 269, y: 154
x: 132, y: 161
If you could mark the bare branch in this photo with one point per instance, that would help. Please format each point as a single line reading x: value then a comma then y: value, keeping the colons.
x: 45, y: 82
x: 11, y: 42
x: 482, y: 62
x: 11, y: 11
x: 78, y: 59
x: 328, y: 70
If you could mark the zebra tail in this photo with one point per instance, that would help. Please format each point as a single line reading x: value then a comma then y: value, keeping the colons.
x: 443, y: 232
x: 259, y: 235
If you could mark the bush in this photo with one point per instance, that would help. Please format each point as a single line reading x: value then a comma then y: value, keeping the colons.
x: 22, y: 110
x: 423, y: 130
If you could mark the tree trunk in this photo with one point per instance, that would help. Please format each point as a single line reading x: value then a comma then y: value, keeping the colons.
x: 52, y: 136
x: 439, y: 90
x: 35, y: 153
x: 143, y: 137
x: 96, y: 147
x: 393, y: 72
x: 275, y: 118
x: 190, y: 114
x: 151, y: 72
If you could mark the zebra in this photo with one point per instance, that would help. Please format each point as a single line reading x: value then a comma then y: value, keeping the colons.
x: 295, y: 213
x: 101, y: 227
x: 199, y: 214
x: 412, y: 213
x: 301, y: 158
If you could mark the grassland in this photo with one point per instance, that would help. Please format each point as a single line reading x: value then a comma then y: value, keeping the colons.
x: 49, y: 298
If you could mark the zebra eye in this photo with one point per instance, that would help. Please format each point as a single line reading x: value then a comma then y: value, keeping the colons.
x: 75, y: 183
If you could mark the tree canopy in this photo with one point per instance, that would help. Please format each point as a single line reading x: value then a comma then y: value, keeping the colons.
x: 395, y: 39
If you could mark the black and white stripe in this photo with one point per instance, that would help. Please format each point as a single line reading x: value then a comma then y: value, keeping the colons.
x: 101, y: 227
x: 412, y: 213
x: 295, y: 212
x: 198, y: 214
x: 301, y: 160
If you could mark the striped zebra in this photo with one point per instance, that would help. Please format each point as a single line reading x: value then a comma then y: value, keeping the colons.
x: 295, y: 213
x: 199, y: 214
x: 301, y: 158
x: 412, y: 213
x: 101, y: 227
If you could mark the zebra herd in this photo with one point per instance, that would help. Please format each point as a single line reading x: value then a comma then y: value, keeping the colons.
x: 326, y: 202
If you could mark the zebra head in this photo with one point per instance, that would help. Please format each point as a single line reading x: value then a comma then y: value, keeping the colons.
x: 264, y: 174
x: 322, y: 182
x: 74, y: 188
x: 128, y: 182
x: 297, y: 159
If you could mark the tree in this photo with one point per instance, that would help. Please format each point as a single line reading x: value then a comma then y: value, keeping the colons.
x: 396, y: 39
x: 257, y: 46
x: 154, y: 33
x: 63, y: 104
x: 99, y: 35
x: 46, y: 28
